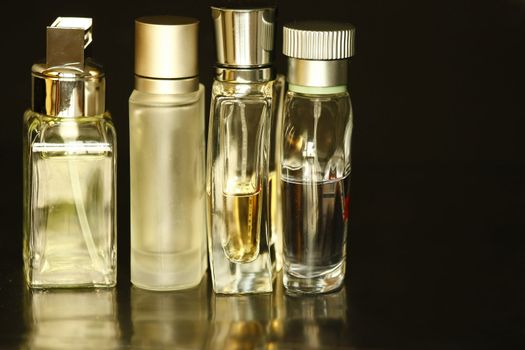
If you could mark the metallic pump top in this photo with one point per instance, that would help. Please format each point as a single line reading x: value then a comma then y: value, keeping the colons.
x: 68, y: 85
x: 318, y: 40
x: 244, y: 37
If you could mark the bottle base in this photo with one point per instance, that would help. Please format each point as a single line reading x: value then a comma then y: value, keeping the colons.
x: 298, y: 280
x: 70, y: 279
x: 165, y: 272
x: 166, y: 288
x: 248, y: 284
x: 94, y: 285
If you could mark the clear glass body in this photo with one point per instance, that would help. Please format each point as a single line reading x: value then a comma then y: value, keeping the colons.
x: 69, y: 201
x: 72, y: 319
x: 240, y: 248
x: 168, y: 198
x: 315, y: 179
x: 274, y: 171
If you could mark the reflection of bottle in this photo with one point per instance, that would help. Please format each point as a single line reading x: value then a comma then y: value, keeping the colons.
x: 311, y: 321
x: 69, y: 167
x: 168, y: 202
x: 240, y: 321
x: 241, y: 249
x: 164, y: 320
x: 315, y: 155
x: 67, y: 319
x: 332, y: 306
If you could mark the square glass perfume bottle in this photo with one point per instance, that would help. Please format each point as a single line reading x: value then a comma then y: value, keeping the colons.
x: 69, y: 167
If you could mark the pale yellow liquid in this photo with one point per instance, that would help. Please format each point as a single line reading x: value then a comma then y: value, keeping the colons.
x: 243, y: 218
x: 72, y: 227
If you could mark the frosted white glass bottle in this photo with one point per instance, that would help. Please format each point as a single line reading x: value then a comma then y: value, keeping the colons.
x: 167, y: 156
x: 69, y: 167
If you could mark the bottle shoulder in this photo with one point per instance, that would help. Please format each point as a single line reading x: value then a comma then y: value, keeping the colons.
x: 162, y: 100
x: 30, y: 116
x: 235, y: 90
x: 44, y: 128
x: 344, y: 95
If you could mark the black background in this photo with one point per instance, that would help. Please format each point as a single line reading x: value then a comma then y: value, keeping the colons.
x: 437, y: 236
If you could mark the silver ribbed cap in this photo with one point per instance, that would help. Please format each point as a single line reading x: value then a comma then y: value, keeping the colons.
x: 318, y: 40
x: 244, y: 37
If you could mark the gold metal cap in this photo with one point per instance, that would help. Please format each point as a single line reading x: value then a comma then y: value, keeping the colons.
x: 318, y: 40
x: 244, y: 37
x: 166, y: 47
x: 67, y: 85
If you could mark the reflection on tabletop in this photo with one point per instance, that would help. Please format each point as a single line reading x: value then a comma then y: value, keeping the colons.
x: 316, y: 321
x: 163, y: 319
x: 278, y: 321
x: 191, y: 319
x: 240, y: 321
x: 69, y: 319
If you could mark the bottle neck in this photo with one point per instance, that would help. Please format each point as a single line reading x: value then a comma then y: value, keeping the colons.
x: 68, y: 92
x: 244, y: 75
x: 166, y: 86
x: 317, y: 74
x: 312, y: 90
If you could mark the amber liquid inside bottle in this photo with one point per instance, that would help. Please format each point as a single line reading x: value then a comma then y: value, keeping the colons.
x: 237, y: 186
x: 243, y: 218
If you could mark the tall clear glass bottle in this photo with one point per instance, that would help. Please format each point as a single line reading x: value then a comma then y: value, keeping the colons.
x: 167, y: 156
x: 242, y: 252
x: 69, y: 167
x: 315, y: 155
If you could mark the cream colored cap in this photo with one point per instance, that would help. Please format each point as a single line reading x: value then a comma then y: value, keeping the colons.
x: 166, y: 47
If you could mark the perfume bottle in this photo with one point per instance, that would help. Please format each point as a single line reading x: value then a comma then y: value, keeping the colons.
x: 69, y: 167
x: 315, y: 155
x: 167, y: 156
x: 242, y: 251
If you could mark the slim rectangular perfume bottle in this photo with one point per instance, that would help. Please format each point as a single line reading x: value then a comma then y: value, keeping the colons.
x: 69, y: 167
x: 242, y: 251
x: 315, y: 155
x: 167, y: 156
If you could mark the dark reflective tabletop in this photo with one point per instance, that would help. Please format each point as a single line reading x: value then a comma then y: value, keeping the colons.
x: 191, y: 319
